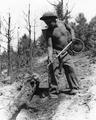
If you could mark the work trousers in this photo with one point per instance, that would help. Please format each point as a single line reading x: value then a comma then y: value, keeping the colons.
x: 68, y: 66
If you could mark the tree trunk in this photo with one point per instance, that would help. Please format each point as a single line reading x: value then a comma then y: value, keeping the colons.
x: 9, y: 39
x: 23, y: 98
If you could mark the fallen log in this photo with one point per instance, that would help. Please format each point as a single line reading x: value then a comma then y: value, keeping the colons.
x: 23, y: 98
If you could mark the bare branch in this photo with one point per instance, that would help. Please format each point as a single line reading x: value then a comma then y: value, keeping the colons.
x: 51, y: 3
x: 13, y: 29
x: 27, y: 28
x: 25, y: 14
x: 5, y: 21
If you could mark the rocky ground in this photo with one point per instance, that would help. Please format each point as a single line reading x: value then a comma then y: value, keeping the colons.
x: 81, y: 106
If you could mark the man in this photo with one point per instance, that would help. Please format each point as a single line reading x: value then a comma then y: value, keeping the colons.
x: 57, y: 38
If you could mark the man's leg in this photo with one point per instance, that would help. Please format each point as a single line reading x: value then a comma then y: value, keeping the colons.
x: 53, y: 86
x: 70, y: 72
x: 71, y: 77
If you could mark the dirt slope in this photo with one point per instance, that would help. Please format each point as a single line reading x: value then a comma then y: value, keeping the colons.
x: 81, y: 106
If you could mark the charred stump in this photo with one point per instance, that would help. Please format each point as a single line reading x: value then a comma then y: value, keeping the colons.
x: 24, y: 97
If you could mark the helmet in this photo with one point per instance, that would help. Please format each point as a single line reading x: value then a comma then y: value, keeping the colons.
x: 48, y: 15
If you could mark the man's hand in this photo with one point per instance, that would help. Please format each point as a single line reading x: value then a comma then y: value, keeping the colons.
x: 73, y: 38
x: 50, y: 60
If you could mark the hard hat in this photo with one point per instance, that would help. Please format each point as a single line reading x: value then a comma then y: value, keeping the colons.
x: 48, y: 15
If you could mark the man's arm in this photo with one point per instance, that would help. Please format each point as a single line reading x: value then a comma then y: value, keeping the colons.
x: 70, y: 29
x: 49, y: 45
x: 50, y: 49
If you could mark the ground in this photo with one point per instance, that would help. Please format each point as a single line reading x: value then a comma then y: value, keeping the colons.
x: 81, y: 106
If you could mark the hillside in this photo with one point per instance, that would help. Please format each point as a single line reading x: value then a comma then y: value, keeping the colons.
x: 81, y: 106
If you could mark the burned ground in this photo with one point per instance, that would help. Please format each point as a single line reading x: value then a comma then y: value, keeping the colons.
x: 81, y: 106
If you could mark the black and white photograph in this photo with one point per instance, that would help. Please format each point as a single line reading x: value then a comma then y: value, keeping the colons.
x: 47, y: 60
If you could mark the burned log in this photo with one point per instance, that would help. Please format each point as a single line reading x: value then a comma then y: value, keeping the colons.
x: 23, y: 98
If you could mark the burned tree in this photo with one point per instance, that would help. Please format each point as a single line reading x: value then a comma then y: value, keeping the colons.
x: 62, y: 11
x: 8, y: 33
x: 9, y: 40
x: 28, y: 22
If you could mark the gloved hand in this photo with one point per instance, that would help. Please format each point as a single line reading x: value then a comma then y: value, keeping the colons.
x: 50, y: 59
x: 50, y: 62
x: 73, y: 38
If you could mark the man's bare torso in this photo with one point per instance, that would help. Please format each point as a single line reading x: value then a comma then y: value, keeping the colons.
x: 59, y: 36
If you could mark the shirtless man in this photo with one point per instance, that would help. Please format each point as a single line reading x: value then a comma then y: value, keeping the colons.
x: 56, y: 36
